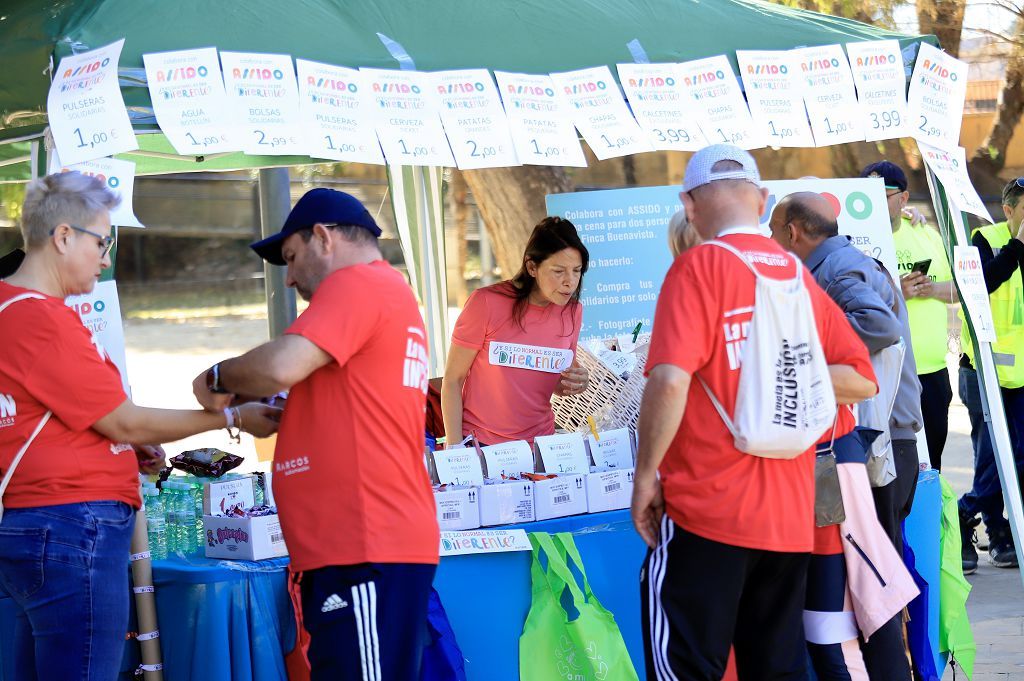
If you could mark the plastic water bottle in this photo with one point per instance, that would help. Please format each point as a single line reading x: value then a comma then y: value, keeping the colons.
x: 187, y: 518
x: 199, y: 536
x: 155, y: 524
x: 170, y: 499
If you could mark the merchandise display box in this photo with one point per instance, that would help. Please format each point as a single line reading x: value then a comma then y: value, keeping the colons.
x: 561, y: 496
x: 609, y: 489
x: 244, y: 538
x: 507, y: 502
x: 458, y: 508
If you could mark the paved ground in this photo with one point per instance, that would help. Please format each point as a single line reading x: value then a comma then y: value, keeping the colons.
x: 164, y: 357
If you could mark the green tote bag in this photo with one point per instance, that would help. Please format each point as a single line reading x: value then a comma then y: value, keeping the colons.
x: 553, y: 647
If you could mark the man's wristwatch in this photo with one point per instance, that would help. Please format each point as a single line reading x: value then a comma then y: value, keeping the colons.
x: 213, y: 380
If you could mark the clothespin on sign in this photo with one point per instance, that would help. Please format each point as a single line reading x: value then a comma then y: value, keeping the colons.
x: 636, y: 330
x: 593, y: 428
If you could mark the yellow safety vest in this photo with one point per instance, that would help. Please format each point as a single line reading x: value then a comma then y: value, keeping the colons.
x: 1007, y: 303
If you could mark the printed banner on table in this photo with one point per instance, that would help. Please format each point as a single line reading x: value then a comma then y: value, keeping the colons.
x: 626, y: 231
x: 483, y: 541
x: 406, y: 117
x: 878, y: 73
x: 775, y: 94
x: 117, y: 175
x: 970, y: 277
x: 85, y: 108
x: 100, y: 312
x: 661, y: 109
x: 951, y: 169
x: 474, y: 119
x: 938, y: 89
x: 264, y: 102
x: 597, y: 109
x: 187, y: 90
x: 830, y: 95
x: 337, y: 114
x: 720, y: 108
x: 541, y: 129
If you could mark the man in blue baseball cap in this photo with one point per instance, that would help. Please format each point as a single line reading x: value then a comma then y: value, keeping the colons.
x: 354, y: 498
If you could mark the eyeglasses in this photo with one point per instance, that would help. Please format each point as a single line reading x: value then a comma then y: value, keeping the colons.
x: 895, y: 193
x: 105, y: 242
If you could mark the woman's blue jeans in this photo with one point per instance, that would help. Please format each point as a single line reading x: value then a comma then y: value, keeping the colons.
x: 66, y: 569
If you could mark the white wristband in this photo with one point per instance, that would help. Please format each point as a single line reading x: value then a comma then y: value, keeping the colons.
x: 230, y: 416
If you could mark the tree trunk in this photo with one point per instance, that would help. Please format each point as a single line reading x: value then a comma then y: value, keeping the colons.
x: 457, y: 191
x: 511, y: 201
x: 990, y: 158
x: 944, y: 19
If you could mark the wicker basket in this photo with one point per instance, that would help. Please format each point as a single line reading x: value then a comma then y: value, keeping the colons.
x: 612, y: 401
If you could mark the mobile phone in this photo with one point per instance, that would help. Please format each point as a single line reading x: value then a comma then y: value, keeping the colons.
x: 921, y: 266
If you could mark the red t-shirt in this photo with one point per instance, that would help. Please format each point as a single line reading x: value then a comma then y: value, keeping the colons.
x: 349, y: 477
x: 50, y: 361
x: 711, y: 488
x: 500, y: 400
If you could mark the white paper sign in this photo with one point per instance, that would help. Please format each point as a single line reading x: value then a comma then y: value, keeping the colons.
x: 458, y: 466
x: 951, y: 169
x: 774, y: 90
x: 970, y: 277
x: 719, y: 105
x: 532, y: 357
x: 614, y: 449
x: 599, y: 112
x: 406, y: 117
x: 337, y: 113
x: 85, y: 108
x: 189, y: 101
x: 100, y: 312
x: 662, y: 109
x: 473, y: 119
x: 117, y: 175
x: 264, y: 101
x: 563, y: 454
x: 483, y: 541
x: 541, y: 129
x: 879, y: 75
x: 509, y: 459
x: 938, y: 89
x: 830, y: 95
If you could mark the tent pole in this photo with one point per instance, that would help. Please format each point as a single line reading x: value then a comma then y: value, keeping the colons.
x: 436, y: 341
x: 988, y: 379
x: 275, y: 202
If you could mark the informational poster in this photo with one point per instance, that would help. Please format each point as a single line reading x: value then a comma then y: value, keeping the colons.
x: 541, y: 129
x: 117, y: 175
x: 264, y: 101
x: 187, y: 90
x: 878, y: 73
x: 663, y: 110
x: 970, y: 277
x: 85, y: 108
x: 951, y: 169
x: 100, y: 312
x: 406, y: 118
x: 830, y: 95
x: 599, y: 112
x: 720, y: 108
x: 938, y: 89
x: 337, y: 113
x: 474, y: 119
x: 626, y: 232
x: 775, y: 94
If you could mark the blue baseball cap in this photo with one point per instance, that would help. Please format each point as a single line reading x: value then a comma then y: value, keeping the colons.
x: 327, y: 206
x: 892, y: 175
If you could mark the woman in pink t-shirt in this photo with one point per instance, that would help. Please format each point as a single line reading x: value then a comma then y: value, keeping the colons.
x: 514, y: 344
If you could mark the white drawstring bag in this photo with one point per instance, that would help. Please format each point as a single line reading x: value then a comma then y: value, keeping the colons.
x: 874, y: 413
x: 785, y: 399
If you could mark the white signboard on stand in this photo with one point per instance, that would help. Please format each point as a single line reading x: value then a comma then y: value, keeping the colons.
x: 187, y: 91
x: 85, y: 108
x: 661, y: 109
x: 878, y: 73
x: 830, y: 95
x: 264, y: 101
x: 541, y: 129
x: 100, y: 312
x: 951, y: 169
x: 970, y: 277
x: 599, y: 112
x: 938, y: 89
x: 473, y: 119
x: 775, y: 95
x: 407, y: 121
x: 336, y: 111
x: 718, y: 102
x: 117, y: 175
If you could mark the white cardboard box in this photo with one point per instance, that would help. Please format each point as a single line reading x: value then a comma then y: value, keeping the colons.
x: 244, y: 538
x: 609, y: 489
x: 458, y: 507
x: 562, y: 496
x: 507, y: 502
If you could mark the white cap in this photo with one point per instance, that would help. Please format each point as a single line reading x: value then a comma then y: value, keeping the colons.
x: 699, y: 173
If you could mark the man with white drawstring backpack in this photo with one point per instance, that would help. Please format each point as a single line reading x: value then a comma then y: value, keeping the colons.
x: 724, y: 486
